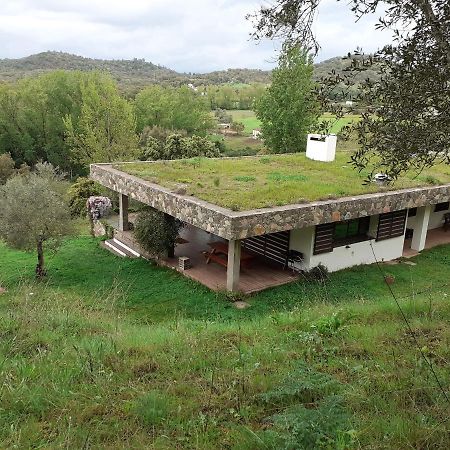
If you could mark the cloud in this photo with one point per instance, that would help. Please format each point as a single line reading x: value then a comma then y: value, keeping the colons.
x: 195, y: 36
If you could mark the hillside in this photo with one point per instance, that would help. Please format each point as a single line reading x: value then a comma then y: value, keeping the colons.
x: 134, y: 74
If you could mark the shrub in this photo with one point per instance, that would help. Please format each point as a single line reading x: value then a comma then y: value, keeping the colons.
x: 318, y: 273
x: 78, y: 194
x: 156, y: 232
x: 152, y: 150
x: 178, y: 146
x: 6, y: 167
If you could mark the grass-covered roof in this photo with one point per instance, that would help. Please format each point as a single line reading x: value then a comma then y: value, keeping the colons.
x: 274, y: 180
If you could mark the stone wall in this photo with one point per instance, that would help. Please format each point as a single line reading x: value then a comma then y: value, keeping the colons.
x: 239, y: 225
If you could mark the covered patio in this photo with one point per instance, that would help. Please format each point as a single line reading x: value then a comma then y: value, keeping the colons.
x: 258, y: 274
x: 435, y: 237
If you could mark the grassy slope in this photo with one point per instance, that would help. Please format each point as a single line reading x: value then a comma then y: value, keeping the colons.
x: 242, y: 184
x: 114, y: 353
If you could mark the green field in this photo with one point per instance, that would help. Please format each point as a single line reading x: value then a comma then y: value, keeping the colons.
x: 273, y: 180
x: 248, y: 118
x: 115, y: 353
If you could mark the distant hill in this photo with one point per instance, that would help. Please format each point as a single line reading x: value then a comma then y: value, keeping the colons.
x: 134, y: 74
x: 339, y: 64
x: 130, y: 74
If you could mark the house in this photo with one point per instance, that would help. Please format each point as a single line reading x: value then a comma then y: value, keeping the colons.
x: 273, y: 216
x: 256, y: 133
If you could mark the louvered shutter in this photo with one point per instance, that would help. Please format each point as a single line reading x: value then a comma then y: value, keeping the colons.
x: 391, y: 225
x: 323, y: 242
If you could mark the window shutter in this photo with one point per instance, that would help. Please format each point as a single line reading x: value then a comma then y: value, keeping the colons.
x: 273, y: 246
x: 391, y: 225
x: 323, y: 242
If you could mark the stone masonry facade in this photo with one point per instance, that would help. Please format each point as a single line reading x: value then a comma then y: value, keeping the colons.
x: 240, y: 225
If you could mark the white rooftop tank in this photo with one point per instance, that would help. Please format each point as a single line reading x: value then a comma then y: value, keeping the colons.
x: 321, y: 147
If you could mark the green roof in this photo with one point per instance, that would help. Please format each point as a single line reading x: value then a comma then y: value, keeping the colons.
x: 274, y: 180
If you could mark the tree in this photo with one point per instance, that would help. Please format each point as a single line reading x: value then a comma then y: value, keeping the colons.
x: 288, y: 109
x: 31, y: 117
x: 106, y: 128
x: 33, y: 213
x: 157, y: 232
x: 173, y: 109
x: 407, y: 124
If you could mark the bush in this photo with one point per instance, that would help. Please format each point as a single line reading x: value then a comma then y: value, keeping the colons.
x: 6, y: 167
x: 78, y: 194
x: 318, y: 273
x: 178, y: 146
x: 156, y: 232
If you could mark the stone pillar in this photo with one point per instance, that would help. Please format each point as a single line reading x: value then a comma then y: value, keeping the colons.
x: 421, y: 228
x: 123, y: 212
x: 234, y: 265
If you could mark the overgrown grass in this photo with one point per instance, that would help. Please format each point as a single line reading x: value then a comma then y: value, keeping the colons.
x: 114, y: 353
x: 300, y: 179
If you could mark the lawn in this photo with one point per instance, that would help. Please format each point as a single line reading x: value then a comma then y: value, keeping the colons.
x: 265, y: 181
x: 115, y: 353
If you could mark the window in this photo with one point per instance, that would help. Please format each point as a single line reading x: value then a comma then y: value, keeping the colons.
x: 330, y: 235
x: 412, y: 212
x: 442, y: 207
x: 350, y: 231
x: 391, y: 225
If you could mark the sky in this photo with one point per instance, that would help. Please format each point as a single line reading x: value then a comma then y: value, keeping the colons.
x: 187, y: 36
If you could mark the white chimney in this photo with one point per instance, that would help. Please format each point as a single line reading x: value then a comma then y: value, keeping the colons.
x: 321, y: 147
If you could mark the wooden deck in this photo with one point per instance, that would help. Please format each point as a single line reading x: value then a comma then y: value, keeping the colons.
x: 434, y: 238
x: 259, y: 275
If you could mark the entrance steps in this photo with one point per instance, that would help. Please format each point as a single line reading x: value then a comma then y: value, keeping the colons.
x: 120, y: 249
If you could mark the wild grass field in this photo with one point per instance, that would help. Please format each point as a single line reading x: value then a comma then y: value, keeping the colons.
x: 116, y: 353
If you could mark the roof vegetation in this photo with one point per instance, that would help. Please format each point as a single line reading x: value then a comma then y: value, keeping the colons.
x: 273, y: 180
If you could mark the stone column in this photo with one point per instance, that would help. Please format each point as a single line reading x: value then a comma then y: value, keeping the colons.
x: 123, y: 212
x: 421, y: 228
x: 234, y: 265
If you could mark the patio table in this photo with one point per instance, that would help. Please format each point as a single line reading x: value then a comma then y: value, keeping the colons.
x: 221, y: 248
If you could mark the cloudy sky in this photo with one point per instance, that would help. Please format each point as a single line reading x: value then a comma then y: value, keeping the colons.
x: 194, y: 36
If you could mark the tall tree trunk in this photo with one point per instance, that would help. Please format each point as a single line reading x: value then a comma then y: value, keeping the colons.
x: 437, y: 27
x: 40, y: 269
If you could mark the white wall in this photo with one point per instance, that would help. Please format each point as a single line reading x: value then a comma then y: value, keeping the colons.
x: 436, y: 220
x: 302, y: 240
x: 342, y: 257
